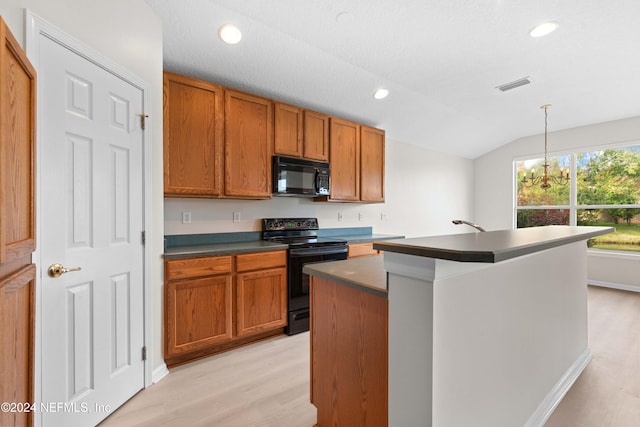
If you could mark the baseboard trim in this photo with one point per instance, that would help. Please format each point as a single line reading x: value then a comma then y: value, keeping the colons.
x: 159, y: 373
x: 612, y: 285
x: 551, y: 401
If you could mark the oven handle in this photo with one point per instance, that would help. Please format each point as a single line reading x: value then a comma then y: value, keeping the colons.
x: 323, y: 251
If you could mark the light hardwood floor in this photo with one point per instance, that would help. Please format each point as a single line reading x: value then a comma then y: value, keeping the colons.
x: 264, y: 384
x: 267, y: 384
x: 607, y: 393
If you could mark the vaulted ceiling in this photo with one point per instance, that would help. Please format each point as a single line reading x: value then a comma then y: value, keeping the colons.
x: 441, y: 61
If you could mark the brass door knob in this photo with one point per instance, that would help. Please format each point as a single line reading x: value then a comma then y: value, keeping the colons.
x: 57, y: 270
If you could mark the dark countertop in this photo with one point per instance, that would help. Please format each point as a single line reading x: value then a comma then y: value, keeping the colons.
x: 491, y: 246
x: 188, y: 245
x: 366, y: 274
x: 365, y: 238
x: 221, y: 249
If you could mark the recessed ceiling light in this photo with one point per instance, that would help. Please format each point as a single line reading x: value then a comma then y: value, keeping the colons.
x: 543, y: 29
x: 381, y: 93
x: 229, y: 34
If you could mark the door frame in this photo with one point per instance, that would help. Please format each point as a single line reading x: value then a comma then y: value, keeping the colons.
x: 35, y: 27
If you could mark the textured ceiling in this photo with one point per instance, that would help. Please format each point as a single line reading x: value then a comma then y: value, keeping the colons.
x: 440, y: 59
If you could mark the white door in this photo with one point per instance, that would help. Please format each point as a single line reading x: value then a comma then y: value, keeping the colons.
x: 92, y: 218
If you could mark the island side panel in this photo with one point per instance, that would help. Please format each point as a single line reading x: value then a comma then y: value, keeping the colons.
x: 410, y: 296
x: 507, y: 336
x: 349, y: 340
x: 485, y: 344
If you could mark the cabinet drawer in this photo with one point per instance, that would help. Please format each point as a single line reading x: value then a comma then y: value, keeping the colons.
x: 260, y: 260
x: 197, y: 267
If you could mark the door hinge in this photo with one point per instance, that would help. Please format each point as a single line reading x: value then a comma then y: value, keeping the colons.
x: 143, y: 118
x: 144, y: 353
x: 143, y: 237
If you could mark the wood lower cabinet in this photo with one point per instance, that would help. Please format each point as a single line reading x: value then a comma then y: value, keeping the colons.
x: 17, y: 335
x: 17, y: 227
x: 349, y: 361
x: 357, y: 250
x: 201, y: 313
x: 214, y: 303
x: 193, y: 136
x: 262, y: 301
x: 261, y: 285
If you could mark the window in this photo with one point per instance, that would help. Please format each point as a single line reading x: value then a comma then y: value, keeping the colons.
x: 604, y: 191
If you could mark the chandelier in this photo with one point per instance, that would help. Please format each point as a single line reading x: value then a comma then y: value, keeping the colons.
x: 544, y: 179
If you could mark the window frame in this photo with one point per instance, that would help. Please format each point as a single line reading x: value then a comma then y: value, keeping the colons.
x: 573, y: 206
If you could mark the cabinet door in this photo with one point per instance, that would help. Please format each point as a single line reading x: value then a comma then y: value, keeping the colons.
x: 362, y: 249
x: 193, y: 132
x: 316, y: 136
x: 16, y: 342
x: 198, y: 314
x: 287, y: 138
x: 344, y: 153
x: 262, y: 301
x: 17, y: 149
x: 371, y: 164
x: 248, y: 142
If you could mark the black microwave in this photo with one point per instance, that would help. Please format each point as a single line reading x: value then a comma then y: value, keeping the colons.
x: 300, y: 178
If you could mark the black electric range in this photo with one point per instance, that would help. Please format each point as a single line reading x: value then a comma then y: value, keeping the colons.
x: 305, y: 246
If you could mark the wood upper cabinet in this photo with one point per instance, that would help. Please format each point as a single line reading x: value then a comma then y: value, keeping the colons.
x: 316, y: 136
x: 193, y: 137
x: 287, y: 130
x: 344, y: 155
x: 371, y: 164
x: 300, y: 133
x: 248, y: 123
x: 17, y: 149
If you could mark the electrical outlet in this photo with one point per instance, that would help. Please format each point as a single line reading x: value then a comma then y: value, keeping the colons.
x: 360, y: 216
x: 186, y: 217
x: 339, y: 216
x: 383, y: 216
x: 236, y: 217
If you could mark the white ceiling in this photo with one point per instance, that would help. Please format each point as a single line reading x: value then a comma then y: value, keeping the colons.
x: 440, y: 59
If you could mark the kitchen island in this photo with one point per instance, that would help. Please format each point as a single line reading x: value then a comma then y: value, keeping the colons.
x: 484, y: 329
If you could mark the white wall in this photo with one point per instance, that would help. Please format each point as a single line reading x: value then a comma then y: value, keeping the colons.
x: 494, y: 187
x: 130, y: 34
x: 425, y: 190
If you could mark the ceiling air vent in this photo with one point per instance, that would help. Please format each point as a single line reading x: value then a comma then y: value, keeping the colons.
x: 514, y: 84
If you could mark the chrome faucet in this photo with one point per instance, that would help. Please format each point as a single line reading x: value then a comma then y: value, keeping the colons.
x: 476, y: 226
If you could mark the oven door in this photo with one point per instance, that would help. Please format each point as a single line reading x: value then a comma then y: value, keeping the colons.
x: 298, y: 283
